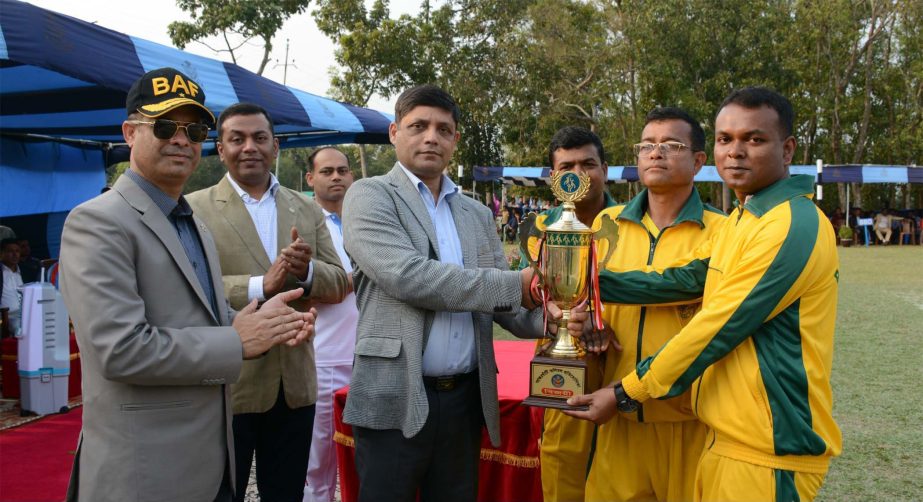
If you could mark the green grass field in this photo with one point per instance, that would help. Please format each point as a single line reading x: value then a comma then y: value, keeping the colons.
x: 877, y: 375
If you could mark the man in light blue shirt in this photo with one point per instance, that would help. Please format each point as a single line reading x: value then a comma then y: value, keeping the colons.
x: 450, y: 349
x: 430, y: 278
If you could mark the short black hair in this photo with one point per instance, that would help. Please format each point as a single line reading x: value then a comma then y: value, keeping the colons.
x: 425, y: 95
x: 673, y: 113
x: 756, y: 97
x: 570, y: 137
x: 243, y: 109
x: 311, y: 157
x: 6, y: 242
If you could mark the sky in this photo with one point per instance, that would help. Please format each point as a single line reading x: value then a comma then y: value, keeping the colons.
x: 310, y: 51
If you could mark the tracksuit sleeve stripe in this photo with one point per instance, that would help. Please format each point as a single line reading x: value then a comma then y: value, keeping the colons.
x: 681, y: 282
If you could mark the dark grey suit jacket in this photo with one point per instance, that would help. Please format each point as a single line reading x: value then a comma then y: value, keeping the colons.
x: 400, y: 284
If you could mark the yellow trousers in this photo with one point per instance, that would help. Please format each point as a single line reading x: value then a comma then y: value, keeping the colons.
x: 567, y: 444
x: 645, y: 461
x: 724, y: 479
x: 565, y: 455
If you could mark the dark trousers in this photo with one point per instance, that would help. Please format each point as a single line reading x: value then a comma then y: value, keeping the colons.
x: 224, y: 491
x: 281, y: 439
x: 441, y: 460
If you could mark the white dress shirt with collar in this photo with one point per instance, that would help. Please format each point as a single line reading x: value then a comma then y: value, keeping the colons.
x: 12, y: 281
x: 263, y: 213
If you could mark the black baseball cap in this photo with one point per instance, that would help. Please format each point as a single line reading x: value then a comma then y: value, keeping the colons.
x: 164, y: 89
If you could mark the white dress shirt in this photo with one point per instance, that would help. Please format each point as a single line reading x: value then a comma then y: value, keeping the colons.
x: 12, y: 281
x: 11, y: 297
x: 263, y: 213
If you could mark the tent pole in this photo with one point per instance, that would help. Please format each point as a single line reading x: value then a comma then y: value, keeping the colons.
x: 820, y: 173
x: 278, y: 156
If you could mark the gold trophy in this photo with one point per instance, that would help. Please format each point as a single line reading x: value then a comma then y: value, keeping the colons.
x: 567, y: 275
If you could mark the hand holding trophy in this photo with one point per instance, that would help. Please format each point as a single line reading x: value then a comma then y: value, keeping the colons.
x: 566, y: 274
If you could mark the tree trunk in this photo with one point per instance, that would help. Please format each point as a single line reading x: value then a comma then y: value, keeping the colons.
x: 859, y: 152
x: 841, y: 193
x: 811, y: 136
x: 363, y: 167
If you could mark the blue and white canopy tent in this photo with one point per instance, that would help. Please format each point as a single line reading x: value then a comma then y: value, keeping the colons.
x: 63, y: 84
x: 847, y: 173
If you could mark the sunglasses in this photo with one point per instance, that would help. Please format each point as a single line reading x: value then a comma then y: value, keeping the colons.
x: 166, y: 129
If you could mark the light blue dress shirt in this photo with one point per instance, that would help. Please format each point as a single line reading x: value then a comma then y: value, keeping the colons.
x: 451, y: 348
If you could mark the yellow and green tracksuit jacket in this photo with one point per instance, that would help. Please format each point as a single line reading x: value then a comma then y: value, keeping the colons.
x: 642, y: 330
x: 758, y: 355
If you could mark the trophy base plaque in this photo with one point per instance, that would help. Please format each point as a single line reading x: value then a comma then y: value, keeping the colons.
x: 553, y: 380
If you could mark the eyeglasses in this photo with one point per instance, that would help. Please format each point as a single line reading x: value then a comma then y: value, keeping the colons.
x: 166, y: 129
x: 667, y: 148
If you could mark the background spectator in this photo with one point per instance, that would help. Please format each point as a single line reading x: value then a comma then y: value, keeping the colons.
x: 29, y: 266
x: 883, y: 226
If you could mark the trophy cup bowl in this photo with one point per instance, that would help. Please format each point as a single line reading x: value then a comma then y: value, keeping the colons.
x: 566, y: 268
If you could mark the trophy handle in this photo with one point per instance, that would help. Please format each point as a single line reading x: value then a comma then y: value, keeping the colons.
x: 527, y: 230
x: 608, y: 232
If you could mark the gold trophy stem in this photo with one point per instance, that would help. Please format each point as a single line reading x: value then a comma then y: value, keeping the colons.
x: 565, y: 347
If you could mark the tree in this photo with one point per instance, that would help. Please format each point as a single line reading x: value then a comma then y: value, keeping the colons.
x: 237, y: 20
x: 520, y: 69
x: 372, y: 51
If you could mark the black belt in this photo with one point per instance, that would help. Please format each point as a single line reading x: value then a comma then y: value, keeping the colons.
x: 448, y: 382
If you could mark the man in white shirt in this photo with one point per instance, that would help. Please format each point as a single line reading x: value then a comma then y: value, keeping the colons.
x: 335, y: 339
x: 270, y: 239
x: 12, y: 281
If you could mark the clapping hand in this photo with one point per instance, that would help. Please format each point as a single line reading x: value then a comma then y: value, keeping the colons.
x: 274, y: 323
x: 296, y: 256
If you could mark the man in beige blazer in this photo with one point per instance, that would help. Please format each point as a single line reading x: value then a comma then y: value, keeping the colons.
x: 142, y: 283
x: 270, y: 239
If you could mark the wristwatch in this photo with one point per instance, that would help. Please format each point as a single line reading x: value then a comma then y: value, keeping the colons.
x: 624, y: 403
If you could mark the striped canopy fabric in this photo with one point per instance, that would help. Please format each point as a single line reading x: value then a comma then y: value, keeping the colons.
x: 538, y: 176
x: 67, y: 79
x: 63, y: 84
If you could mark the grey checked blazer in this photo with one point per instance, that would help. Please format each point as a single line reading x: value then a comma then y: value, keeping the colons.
x: 400, y: 284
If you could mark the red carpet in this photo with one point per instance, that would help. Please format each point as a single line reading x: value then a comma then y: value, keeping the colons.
x: 36, y: 458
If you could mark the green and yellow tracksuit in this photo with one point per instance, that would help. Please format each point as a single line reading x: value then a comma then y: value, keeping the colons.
x: 651, y: 454
x: 758, y: 355
x: 566, y: 442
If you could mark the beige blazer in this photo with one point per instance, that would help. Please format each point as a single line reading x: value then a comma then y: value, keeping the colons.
x: 242, y: 256
x: 155, y: 359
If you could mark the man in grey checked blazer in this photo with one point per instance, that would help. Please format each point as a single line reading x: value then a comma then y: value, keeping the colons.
x: 431, y: 278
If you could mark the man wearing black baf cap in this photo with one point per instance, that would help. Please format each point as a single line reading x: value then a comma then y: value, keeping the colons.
x: 142, y: 283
